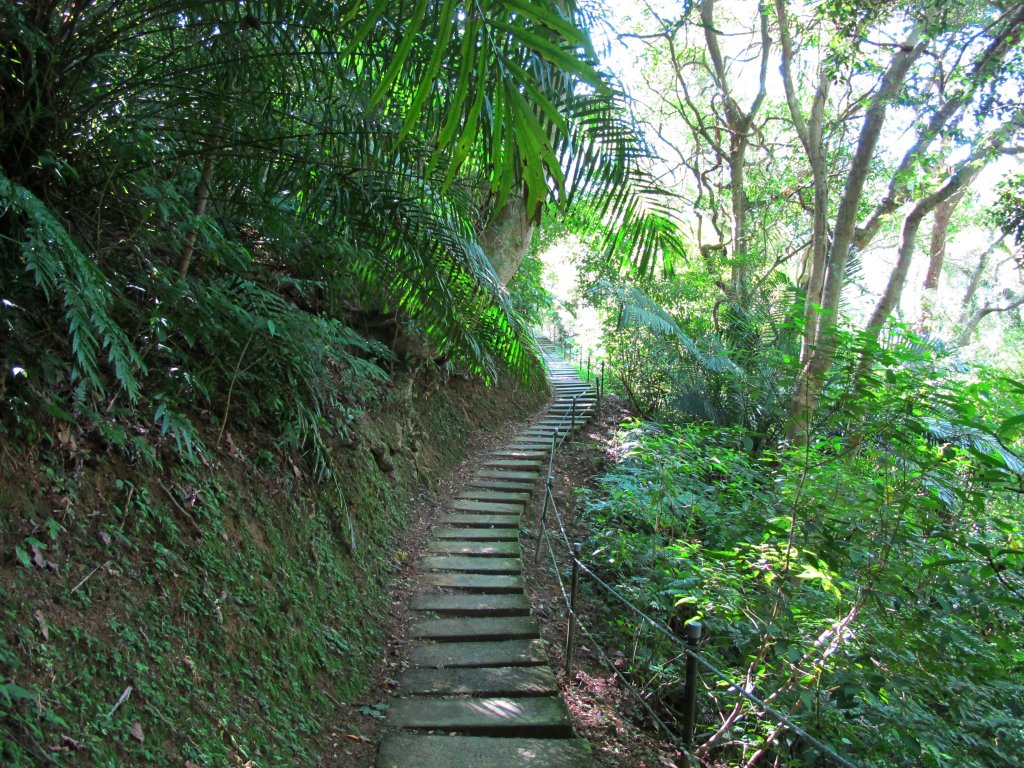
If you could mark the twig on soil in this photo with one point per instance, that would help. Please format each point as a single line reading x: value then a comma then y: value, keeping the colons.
x: 120, y: 701
x: 181, y: 509
x: 79, y: 584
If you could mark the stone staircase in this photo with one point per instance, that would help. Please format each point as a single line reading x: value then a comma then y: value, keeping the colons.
x: 478, y: 691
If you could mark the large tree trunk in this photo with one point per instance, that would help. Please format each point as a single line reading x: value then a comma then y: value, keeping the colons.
x: 506, y: 239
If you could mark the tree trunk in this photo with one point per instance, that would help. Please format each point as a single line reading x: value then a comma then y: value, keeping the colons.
x: 507, y: 238
x: 740, y: 208
x: 975, y: 282
x: 811, y: 378
x: 810, y: 133
x: 201, y: 198
x: 739, y: 125
x: 980, y: 314
x: 937, y: 256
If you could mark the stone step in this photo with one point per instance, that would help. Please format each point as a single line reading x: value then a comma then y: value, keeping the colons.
x: 482, y: 550
x: 426, y: 751
x: 510, y: 452
x: 475, y: 582
x: 479, y: 681
x: 510, y: 486
x: 477, y: 534
x: 513, y: 464
x: 470, y: 520
x: 474, y: 629
x: 495, y: 653
x: 508, y: 474
x: 486, y: 507
x: 502, y: 497
x: 466, y: 604
x: 537, y: 443
x: 536, y: 717
x: 463, y: 564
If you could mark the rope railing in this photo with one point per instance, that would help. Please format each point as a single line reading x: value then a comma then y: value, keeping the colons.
x: 687, y: 647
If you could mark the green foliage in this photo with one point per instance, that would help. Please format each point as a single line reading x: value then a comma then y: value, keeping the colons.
x: 672, y: 363
x: 530, y: 298
x: 876, y: 595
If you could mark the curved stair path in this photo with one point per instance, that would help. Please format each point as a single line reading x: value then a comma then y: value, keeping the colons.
x: 478, y: 691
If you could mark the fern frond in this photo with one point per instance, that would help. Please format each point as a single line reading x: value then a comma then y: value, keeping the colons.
x: 62, y: 271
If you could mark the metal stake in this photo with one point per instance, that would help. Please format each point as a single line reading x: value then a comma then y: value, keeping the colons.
x: 570, y: 640
x: 690, y: 689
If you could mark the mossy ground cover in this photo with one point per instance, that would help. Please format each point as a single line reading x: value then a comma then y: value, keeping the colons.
x: 208, y: 613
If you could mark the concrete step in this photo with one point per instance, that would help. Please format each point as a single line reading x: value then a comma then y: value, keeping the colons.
x: 486, y: 507
x: 496, y: 653
x: 510, y: 452
x: 475, y: 629
x: 507, y: 464
x: 508, y: 486
x: 482, y: 550
x: 514, y: 496
x: 467, y: 604
x: 534, y: 443
x: 470, y: 520
x: 479, y: 681
x: 477, y: 534
x: 508, y: 474
x: 475, y: 582
x: 535, y: 717
x: 425, y: 751
x: 508, y: 565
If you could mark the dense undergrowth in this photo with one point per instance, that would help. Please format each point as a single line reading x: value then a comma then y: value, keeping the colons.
x: 845, y: 591
x: 869, y: 582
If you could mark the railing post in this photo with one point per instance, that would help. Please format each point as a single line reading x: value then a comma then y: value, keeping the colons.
x: 600, y: 385
x: 690, y: 688
x: 570, y: 639
x: 572, y: 433
x: 588, y: 366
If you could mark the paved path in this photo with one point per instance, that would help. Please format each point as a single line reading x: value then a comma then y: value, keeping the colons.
x: 478, y: 691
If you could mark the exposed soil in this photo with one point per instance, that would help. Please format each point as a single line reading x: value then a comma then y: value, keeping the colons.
x: 602, y: 709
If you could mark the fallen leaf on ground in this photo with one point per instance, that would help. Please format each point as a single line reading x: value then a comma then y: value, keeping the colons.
x: 43, y: 629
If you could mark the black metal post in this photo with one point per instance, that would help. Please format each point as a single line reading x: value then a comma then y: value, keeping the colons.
x: 690, y: 689
x: 572, y: 434
x: 600, y: 385
x: 570, y: 639
x: 588, y: 366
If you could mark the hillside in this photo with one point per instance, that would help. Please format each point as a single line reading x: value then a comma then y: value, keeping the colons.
x: 212, y: 612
